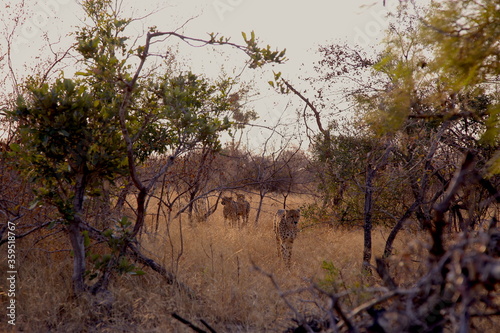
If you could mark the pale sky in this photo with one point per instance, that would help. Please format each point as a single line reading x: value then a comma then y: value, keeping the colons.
x: 298, y: 26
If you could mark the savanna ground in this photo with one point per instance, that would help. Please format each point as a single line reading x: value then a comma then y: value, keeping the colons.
x: 235, y: 279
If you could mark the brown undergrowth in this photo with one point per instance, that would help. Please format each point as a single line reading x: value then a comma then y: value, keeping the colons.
x: 239, y: 283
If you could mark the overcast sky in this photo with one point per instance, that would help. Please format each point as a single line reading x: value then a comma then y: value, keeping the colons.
x: 298, y: 26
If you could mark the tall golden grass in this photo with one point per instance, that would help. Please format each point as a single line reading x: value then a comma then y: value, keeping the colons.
x: 238, y: 282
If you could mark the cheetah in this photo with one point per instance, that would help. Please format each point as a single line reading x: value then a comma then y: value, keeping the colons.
x: 286, y: 229
x: 230, y: 211
x: 243, y: 209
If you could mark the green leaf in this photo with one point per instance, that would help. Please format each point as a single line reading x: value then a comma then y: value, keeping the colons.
x: 137, y: 272
x: 33, y: 204
x: 52, y: 224
x: 15, y: 147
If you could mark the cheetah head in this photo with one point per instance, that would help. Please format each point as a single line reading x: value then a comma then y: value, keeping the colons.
x: 226, y: 200
x: 293, y: 216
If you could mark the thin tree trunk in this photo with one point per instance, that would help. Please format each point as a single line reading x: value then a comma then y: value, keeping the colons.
x: 213, y: 208
x: 158, y: 210
x: 192, y: 195
x: 257, y: 216
x: 367, y: 250
x: 285, y: 196
x: 122, y: 197
x: 76, y: 237
x: 141, y: 211
x: 439, y: 223
x: 371, y: 170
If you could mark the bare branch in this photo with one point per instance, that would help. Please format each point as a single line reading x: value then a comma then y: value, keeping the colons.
x: 189, y: 324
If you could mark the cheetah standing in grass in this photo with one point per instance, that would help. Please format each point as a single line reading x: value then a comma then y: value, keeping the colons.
x: 243, y: 209
x: 286, y: 229
x: 230, y: 211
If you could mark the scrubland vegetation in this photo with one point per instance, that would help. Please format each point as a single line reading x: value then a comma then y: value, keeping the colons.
x: 233, y: 278
x: 111, y: 184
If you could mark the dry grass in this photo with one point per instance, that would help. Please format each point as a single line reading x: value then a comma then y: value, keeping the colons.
x: 218, y: 263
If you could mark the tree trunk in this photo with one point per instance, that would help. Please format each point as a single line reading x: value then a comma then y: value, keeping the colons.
x: 371, y: 170
x: 141, y: 211
x: 262, y: 196
x: 439, y: 223
x: 192, y: 197
x: 76, y: 237
x: 122, y: 197
x: 158, y: 209
x: 77, y: 243
x: 285, y: 196
x: 367, y: 250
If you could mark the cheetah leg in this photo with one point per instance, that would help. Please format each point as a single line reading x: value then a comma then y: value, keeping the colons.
x: 278, y: 246
x: 286, y: 248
